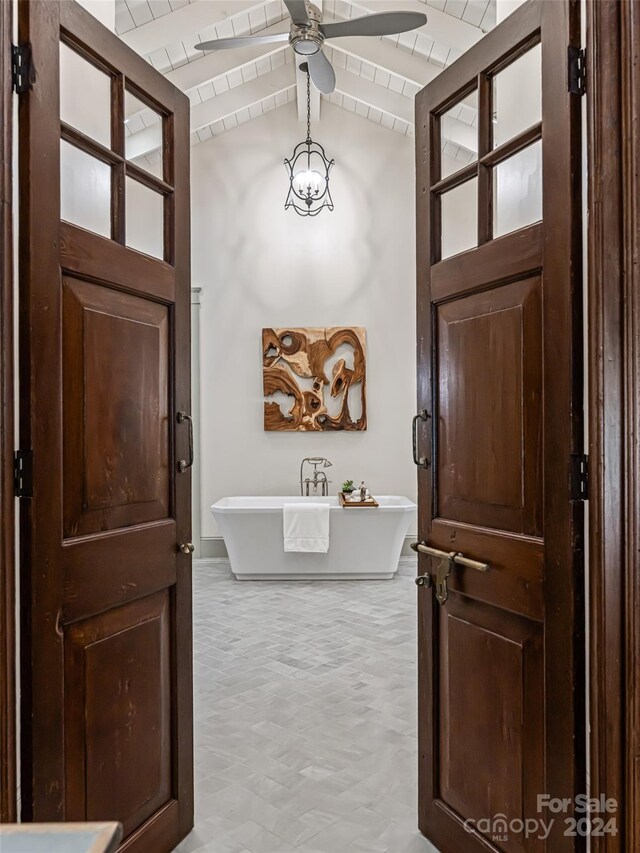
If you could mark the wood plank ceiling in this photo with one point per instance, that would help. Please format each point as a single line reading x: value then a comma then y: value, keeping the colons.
x: 377, y: 78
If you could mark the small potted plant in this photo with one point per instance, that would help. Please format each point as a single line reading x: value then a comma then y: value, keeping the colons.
x: 347, y: 487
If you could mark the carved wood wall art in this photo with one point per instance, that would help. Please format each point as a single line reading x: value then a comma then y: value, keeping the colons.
x: 302, y: 364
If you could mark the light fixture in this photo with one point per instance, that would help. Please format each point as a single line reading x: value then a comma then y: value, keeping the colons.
x: 308, y: 170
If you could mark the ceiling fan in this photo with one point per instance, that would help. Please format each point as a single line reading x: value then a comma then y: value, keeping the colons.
x: 308, y: 33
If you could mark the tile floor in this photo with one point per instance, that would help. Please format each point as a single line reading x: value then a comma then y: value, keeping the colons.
x: 305, y: 715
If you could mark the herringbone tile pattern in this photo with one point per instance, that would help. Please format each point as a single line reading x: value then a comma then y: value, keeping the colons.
x: 305, y: 715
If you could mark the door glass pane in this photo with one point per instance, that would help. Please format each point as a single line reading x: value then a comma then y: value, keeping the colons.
x: 85, y: 190
x: 517, y: 96
x: 459, y: 135
x: 85, y: 96
x: 142, y: 135
x: 460, y: 218
x: 145, y: 219
x: 517, y: 191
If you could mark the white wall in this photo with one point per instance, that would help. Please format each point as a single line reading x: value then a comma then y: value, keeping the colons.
x: 103, y: 10
x: 504, y: 8
x: 259, y: 265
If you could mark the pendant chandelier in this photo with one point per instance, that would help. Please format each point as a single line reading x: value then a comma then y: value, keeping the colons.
x: 308, y: 170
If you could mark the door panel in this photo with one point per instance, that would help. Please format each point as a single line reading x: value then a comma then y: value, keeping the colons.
x: 490, y: 685
x: 115, y: 369
x: 124, y: 654
x: 490, y: 362
x: 501, y: 688
x: 107, y: 725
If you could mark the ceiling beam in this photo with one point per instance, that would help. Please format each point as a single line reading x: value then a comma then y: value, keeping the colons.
x: 374, y: 95
x: 460, y: 133
x: 184, y: 23
x: 220, y: 62
x: 242, y: 97
x: 400, y: 107
x: 442, y: 28
x: 220, y: 107
x: 412, y: 67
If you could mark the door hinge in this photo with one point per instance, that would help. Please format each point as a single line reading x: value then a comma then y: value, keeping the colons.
x: 579, y: 477
x: 23, y: 473
x: 577, y: 71
x: 23, y: 73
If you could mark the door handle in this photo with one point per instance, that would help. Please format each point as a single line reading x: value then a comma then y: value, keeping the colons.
x: 186, y: 548
x: 445, y: 563
x: 185, y: 464
x: 423, y: 415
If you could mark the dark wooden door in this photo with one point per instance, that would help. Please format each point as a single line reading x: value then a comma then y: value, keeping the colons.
x: 501, y: 698
x: 104, y: 351
x: 8, y: 787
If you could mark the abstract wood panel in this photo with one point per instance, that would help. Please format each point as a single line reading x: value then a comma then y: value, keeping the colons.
x: 316, y: 379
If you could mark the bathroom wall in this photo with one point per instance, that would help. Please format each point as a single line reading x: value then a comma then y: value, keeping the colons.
x: 259, y: 265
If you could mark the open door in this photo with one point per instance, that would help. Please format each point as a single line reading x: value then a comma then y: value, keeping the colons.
x: 499, y: 442
x: 105, y: 395
x: 8, y: 787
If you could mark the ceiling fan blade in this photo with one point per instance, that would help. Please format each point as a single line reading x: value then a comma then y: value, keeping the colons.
x: 241, y: 41
x: 322, y: 73
x: 298, y: 11
x: 380, y: 24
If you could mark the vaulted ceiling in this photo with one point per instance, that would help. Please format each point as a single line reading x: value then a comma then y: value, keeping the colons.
x: 376, y: 78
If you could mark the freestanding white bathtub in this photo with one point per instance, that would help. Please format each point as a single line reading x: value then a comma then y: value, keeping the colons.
x: 364, y: 543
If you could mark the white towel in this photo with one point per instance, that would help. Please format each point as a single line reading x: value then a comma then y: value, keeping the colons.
x: 306, y: 527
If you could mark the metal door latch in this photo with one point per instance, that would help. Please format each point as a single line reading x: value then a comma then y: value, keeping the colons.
x: 445, y: 561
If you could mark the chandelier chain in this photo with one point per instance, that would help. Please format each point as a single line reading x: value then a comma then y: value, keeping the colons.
x: 308, y: 106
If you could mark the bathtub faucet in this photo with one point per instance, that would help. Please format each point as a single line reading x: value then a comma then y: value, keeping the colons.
x: 319, y: 478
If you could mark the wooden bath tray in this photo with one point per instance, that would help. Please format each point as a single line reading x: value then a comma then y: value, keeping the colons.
x: 353, y: 504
